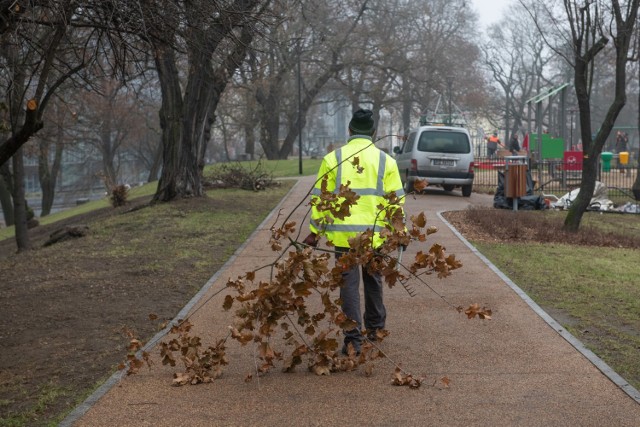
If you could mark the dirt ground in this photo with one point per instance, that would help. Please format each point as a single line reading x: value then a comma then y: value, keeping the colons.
x: 64, y: 309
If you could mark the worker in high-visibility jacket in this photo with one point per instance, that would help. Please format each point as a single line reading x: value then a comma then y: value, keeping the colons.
x: 492, y: 144
x: 371, y: 176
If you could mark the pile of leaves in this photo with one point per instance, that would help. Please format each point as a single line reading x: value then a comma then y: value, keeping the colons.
x: 487, y: 224
x: 237, y: 175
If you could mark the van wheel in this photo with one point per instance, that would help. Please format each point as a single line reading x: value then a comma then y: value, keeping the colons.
x: 466, y: 190
x: 448, y: 187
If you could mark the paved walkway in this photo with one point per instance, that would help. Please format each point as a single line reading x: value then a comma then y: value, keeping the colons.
x: 513, y: 370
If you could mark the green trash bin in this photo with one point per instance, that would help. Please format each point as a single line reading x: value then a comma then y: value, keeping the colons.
x: 606, y: 157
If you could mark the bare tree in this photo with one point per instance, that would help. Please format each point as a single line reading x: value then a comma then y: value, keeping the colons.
x: 313, y: 40
x: 35, y: 40
x: 519, y: 62
x: 44, y: 44
x: 590, y: 27
x: 216, y: 37
x: 51, y: 143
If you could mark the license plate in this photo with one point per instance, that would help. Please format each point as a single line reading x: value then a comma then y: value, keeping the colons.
x: 443, y: 162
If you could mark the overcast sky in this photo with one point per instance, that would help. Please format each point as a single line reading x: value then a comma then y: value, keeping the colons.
x: 490, y: 11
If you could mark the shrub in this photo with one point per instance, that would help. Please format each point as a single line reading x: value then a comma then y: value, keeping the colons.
x: 119, y: 195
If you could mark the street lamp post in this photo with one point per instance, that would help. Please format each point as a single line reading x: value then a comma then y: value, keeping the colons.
x: 299, y: 112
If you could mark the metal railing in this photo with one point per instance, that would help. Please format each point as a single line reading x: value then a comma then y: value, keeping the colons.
x: 555, y: 176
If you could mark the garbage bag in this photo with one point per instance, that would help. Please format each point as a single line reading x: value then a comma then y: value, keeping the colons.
x: 599, y: 201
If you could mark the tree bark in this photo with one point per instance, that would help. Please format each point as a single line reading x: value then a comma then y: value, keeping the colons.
x: 269, y: 115
x: 31, y: 125
x: 170, y: 122
x: 6, y: 183
x: 19, y: 203
x: 49, y: 175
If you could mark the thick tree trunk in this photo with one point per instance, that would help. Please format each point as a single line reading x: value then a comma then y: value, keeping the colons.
x: 170, y: 123
x: 19, y: 203
x: 270, y: 124
x: 197, y: 101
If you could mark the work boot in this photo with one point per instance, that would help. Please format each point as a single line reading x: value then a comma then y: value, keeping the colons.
x: 351, y: 346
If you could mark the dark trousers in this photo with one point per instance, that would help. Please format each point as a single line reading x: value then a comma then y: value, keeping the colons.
x: 375, y: 313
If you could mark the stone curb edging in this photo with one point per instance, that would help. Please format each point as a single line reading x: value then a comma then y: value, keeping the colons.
x: 571, y: 339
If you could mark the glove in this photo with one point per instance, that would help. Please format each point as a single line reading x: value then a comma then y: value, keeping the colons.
x: 403, y: 247
x: 311, y: 240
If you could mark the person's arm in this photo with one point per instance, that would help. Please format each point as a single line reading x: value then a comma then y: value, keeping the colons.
x: 325, y: 168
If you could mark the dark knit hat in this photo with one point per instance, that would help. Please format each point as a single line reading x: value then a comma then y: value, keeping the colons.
x: 362, y: 122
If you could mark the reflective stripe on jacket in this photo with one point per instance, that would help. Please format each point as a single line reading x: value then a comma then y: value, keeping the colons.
x: 379, y: 176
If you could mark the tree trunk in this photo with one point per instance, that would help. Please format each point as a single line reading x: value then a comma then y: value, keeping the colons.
x: 155, y: 166
x: 170, y: 123
x: 196, y: 113
x: 250, y: 140
x: 309, y: 96
x: 108, y: 150
x: 49, y: 175
x: 406, y: 106
x: 19, y: 203
x: 589, y: 163
x: 219, y: 82
x: 5, y: 194
x: 31, y: 125
x: 269, y: 123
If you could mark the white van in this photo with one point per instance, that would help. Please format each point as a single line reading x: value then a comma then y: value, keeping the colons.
x: 441, y: 155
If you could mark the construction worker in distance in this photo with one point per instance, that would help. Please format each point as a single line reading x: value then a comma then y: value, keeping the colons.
x: 492, y: 144
x: 376, y: 175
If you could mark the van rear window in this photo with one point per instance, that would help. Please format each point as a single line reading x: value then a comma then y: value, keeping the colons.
x: 444, y: 142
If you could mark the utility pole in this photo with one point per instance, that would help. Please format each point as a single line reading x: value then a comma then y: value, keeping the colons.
x: 449, y: 84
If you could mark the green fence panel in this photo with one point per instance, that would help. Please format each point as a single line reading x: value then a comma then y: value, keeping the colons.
x: 552, y: 148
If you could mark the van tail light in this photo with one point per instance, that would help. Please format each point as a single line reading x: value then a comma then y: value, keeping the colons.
x: 471, y: 165
x: 414, y: 165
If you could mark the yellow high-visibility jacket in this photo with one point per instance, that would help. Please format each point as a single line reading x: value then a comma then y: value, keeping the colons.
x: 379, y: 176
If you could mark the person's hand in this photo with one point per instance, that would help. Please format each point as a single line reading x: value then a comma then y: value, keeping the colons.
x: 311, y: 240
